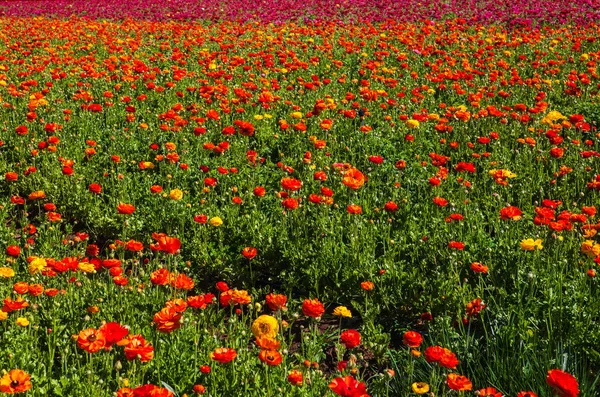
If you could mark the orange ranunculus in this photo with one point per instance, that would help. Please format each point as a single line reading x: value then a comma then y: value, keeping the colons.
x: 125, y: 209
x: 170, y: 245
x: 138, y: 347
x: 313, y: 308
x: 223, y: 355
x: 458, y: 382
x: 91, y: 340
x: 160, y: 277
x: 511, y: 212
x: 412, y: 339
x: 276, y: 301
x: 270, y: 357
x: 15, y: 381
x: 353, y: 178
x: 167, y: 320
x: 182, y: 281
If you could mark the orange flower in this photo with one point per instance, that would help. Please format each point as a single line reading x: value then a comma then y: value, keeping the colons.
x: 276, y: 301
x: 367, y: 285
x: 295, y: 377
x: 223, y: 355
x: 91, y: 340
x: 167, y: 320
x: 138, y: 347
x: 182, y: 281
x: 313, y: 308
x: 270, y: 357
x: 15, y: 381
x: 160, y: 276
x: 267, y: 343
x: 353, y: 178
x: 459, y: 382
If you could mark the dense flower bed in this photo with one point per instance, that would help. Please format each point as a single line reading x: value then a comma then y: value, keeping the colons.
x: 521, y: 12
x: 297, y: 209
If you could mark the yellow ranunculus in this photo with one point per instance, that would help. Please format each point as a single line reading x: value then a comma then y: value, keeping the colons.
x: 296, y: 115
x: 420, y: 387
x: 265, y: 326
x: 86, y: 267
x: 176, y: 194
x: 6, y: 272
x: 37, y: 265
x: 590, y: 248
x: 215, y: 221
x: 342, y: 311
x: 22, y: 321
x: 412, y: 123
x: 531, y: 244
x: 3, y: 315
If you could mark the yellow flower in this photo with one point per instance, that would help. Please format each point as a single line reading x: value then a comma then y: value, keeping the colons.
x: 590, y: 248
x: 265, y: 326
x: 6, y: 272
x: 37, y: 265
x: 215, y: 221
x: 531, y: 244
x: 3, y: 315
x: 176, y: 194
x: 553, y: 116
x: 258, y: 117
x: 412, y: 124
x: 86, y: 267
x: 342, y: 311
x: 420, y: 387
x: 22, y: 321
x: 296, y: 115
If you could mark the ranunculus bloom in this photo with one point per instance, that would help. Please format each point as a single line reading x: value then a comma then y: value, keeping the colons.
x: 223, y: 355
x: 125, y: 209
x: 312, y: 308
x: 353, y: 178
x: 412, y: 339
x: 459, y: 382
x: 347, y: 386
x: 562, y: 383
x: 350, y: 338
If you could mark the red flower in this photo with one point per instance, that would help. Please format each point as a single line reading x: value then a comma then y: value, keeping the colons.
x: 13, y: 250
x: 95, y: 188
x: 125, y: 209
x: 390, y: 206
x: 350, y: 338
x: 291, y: 184
x: 313, y: 308
x: 113, y: 333
x: 295, y: 377
x: 456, y: 245
x: 290, y: 203
x: 170, y: 245
x: 461, y: 166
x: 562, y: 383
x: 249, y: 252
x: 138, y: 347
x: 223, y: 355
x: 412, y: 339
x: 376, y: 159
x: 440, y: 201
x: 348, y: 387
x: 259, y: 191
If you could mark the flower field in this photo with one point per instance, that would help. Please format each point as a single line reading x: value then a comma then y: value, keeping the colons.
x: 370, y: 199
